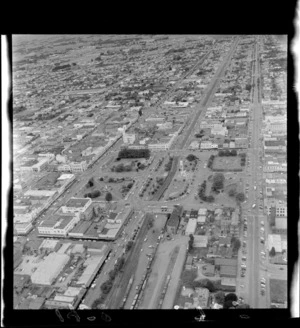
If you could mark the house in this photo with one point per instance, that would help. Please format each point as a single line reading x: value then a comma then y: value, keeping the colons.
x: 202, y: 297
x: 202, y: 211
x: 200, y: 241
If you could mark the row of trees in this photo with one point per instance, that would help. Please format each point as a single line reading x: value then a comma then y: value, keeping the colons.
x: 191, y: 243
x: 168, y: 166
x: 240, y: 197
x: 243, y: 159
x: 227, y: 152
x: 121, y: 168
x: 107, y: 285
x: 134, y: 153
x: 236, y: 244
x: 210, y: 161
x: 93, y: 194
x: 201, y: 193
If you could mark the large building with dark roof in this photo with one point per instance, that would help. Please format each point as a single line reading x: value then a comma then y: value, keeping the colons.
x: 174, y: 220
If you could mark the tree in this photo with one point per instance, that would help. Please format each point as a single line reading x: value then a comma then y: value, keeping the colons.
x: 129, y: 245
x: 240, y: 197
x: 106, y: 286
x: 112, y: 274
x: 191, y: 242
x: 232, y: 193
x: 95, y: 194
x: 188, y: 278
x: 191, y: 157
x: 205, y: 283
x: 231, y: 297
x: 220, y: 297
x: 108, y: 197
x: 236, y: 245
x: 272, y: 252
x: 218, y: 181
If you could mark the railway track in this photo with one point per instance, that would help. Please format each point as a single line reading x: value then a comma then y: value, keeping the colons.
x: 211, y: 90
x: 168, y: 180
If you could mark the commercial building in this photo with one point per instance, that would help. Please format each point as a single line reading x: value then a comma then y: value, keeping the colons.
x: 59, y: 225
x: 91, y: 267
x: 191, y: 227
x: 76, y: 205
x: 274, y: 240
x: 128, y: 138
x: 49, y: 269
x: 22, y: 228
x: 174, y: 220
x: 281, y: 223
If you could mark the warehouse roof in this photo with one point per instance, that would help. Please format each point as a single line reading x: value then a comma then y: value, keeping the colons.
x: 77, y: 202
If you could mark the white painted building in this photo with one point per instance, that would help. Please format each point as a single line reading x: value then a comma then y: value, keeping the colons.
x: 60, y: 225
x: 76, y: 205
x: 128, y: 138
x: 191, y: 227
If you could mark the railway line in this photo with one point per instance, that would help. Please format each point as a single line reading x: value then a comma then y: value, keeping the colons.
x: 168, y: 180
x: 208, y: 94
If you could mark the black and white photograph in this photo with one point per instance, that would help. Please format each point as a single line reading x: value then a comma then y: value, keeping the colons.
x: 149, y: 172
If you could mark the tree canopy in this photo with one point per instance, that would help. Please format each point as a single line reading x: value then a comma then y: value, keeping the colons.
x: 108, y: 197
x: 240, y: 197
x: 191, y: 157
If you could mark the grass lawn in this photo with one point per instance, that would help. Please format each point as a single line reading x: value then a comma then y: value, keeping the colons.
x: 278, y: 290
x: 114, y: 188
x: 227, y: 163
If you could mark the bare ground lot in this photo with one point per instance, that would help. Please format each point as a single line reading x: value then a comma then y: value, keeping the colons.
x: 278, y: 290
x: 227, y: 163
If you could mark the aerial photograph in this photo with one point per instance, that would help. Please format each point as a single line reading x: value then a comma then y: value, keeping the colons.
x: 149, y: 171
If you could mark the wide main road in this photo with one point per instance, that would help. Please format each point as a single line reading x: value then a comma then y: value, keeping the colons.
x: 254, y: 226
x: 209, y: 92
